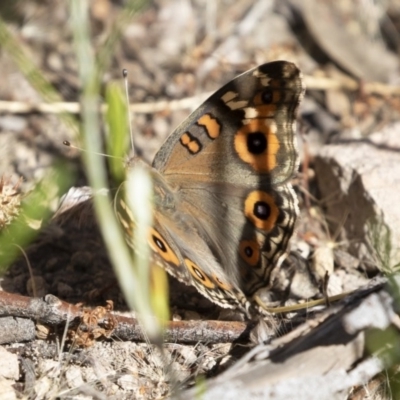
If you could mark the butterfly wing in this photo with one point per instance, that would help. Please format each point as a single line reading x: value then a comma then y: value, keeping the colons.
x: 224, y: 207
x: 242, y: 134
x: 179, y: 245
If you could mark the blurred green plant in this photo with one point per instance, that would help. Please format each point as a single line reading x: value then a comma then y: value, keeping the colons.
x: 32, y: 213
x: 385, y: 344
x: 35, y: 207
x: 117, y: 127
x: 132, y: 273
x: 380, y: 240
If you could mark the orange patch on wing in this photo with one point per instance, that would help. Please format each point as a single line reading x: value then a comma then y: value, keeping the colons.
x: 199, y: 275
x: 160, y: 246
x: 223, y: 285
x: 265, y: 110
x: 249, y: 250
x: 261, y: 210
x: 260, y: 162
x: 191, y: 143
x: 211, y: 125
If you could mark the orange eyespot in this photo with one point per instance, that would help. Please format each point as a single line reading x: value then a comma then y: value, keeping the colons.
x: 199, y: 275
x: 261, y: 210
x: 249, y: 250
x: 257, y: 145
x: 160, y: 246
x: 267, y: 99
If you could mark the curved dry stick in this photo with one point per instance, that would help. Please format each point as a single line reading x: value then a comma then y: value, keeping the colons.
x: 52, y: 311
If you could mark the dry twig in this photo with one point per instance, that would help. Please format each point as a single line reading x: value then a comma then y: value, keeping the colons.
x: 312, y: 83
x: 52, y: 311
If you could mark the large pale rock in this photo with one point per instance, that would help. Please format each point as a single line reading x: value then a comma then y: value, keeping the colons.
x: 359, y: 183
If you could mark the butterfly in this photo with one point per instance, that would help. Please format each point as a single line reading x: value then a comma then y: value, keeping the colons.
x: 224, y: 208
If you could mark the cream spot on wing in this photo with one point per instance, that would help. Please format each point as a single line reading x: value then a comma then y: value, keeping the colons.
x: 228, y: 99
x: 235, y: 105
x: 264, y: 78
x: 271, y: 125
x: 250, y: 112
x: 228, y: 96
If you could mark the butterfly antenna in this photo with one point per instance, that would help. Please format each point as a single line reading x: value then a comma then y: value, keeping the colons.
x: 68, y: 144
x: 125, y: 76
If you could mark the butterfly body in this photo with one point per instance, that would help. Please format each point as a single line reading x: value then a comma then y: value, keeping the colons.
x: 224, y: 209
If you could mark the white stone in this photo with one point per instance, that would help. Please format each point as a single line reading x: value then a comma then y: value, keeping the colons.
x: 9, y: 367
x: 359, y: 182
x: 6, y: 389
x: 73, y: 376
